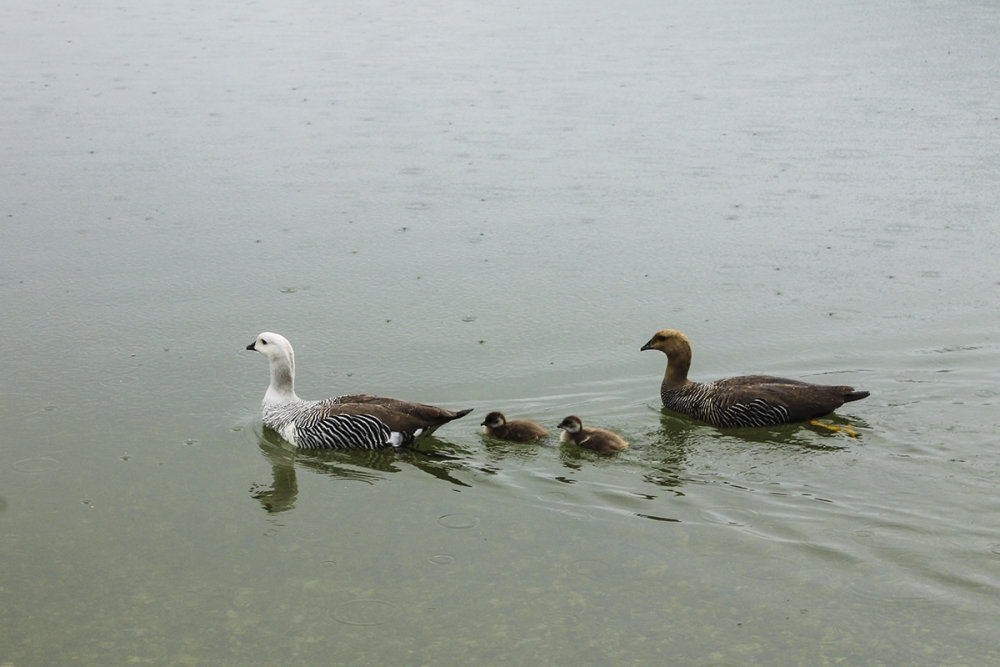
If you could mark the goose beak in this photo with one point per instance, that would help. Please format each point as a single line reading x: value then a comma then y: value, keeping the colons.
x: 646, y: 346
x: 252, y: 346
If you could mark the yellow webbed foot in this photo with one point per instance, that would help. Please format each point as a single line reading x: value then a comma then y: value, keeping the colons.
x: 846, y: 428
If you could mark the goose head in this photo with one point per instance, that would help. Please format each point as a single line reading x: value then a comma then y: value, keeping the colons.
x: 668, y: 341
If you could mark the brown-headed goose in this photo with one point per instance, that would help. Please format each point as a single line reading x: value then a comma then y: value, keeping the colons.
x: 750, y: 400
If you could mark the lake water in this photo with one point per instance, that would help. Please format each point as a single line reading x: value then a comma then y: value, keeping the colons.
x: 494, y: 205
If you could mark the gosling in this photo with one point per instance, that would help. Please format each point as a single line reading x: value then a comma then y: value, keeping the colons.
x: 517, y: 430
x: 597, y: 439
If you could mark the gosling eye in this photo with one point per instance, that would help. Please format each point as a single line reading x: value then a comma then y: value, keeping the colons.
x: 263, y: 342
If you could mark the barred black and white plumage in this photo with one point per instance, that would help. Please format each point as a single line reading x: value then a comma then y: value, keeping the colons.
x: 709, y: 403
x: 309, y: 426
x: 746, y: 401
x: 359, y: 421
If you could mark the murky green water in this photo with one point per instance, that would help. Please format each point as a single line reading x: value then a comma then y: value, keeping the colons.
x: 494, y: 205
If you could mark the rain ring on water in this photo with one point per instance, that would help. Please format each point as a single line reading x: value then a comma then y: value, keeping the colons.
x: 458, y: 521
x: 36, y: 466
x: 442, y: 559
x: 364, y: 612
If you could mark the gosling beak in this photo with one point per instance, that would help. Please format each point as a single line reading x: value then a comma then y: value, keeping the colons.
x: 646, y: 346
x: 252, y: 346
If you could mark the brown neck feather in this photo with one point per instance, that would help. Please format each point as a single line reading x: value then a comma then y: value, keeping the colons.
x: 678, y: 363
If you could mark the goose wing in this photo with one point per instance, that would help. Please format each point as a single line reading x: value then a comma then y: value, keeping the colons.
x: 429, y: 413
x: 362, y: 425
x: 779, y: 400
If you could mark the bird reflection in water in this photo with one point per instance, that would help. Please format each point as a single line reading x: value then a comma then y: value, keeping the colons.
x: 369, y: 466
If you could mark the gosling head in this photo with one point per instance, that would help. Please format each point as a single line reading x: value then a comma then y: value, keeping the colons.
x: 571, y: 424
x: 494, y: 420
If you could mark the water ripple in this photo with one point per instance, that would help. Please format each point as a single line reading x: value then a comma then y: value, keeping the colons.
x: 364, y: 612
x: 899, y: 541
x: 561, y: 620
x: 729, y: 515
x: 587, y: 567
x: 888, y: 590
x: 458, y: 521
x: 36, y: 466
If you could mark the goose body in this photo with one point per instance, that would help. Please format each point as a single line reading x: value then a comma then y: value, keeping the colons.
x: 749, y: 400
x: 496, y: 425
x: 359, y: 421
x: 597, y: 439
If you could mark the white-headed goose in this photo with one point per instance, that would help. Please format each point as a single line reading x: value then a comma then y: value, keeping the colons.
x: 360, y: 421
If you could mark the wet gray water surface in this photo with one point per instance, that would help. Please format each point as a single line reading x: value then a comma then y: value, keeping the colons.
x: 494, y: 205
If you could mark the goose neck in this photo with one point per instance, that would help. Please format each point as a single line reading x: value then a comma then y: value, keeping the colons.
x: 282, y: 387
x: 678, y: 364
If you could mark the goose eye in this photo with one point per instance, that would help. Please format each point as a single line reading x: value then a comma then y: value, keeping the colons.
x: 263, y: 342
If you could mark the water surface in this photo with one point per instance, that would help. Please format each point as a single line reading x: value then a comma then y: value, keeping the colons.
x: 495, y: 206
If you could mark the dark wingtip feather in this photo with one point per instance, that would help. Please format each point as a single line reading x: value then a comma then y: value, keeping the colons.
x: 856, y: 396
x: 462, y: 413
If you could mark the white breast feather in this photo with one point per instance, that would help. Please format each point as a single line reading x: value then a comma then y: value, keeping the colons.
x: 288, y: 432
